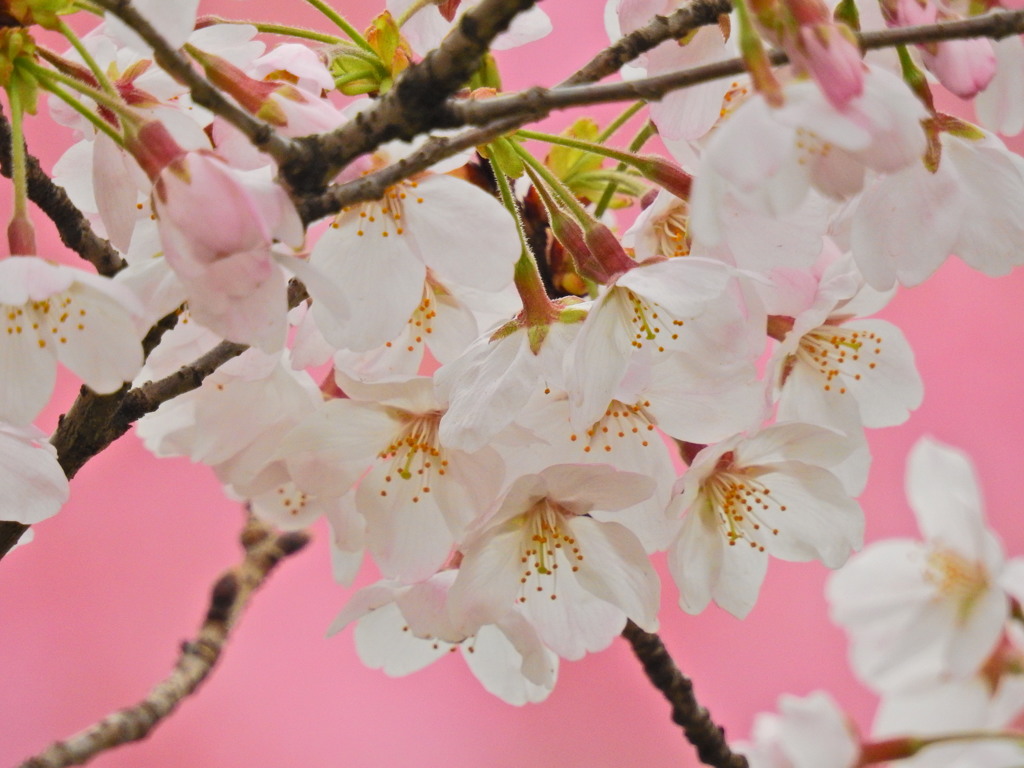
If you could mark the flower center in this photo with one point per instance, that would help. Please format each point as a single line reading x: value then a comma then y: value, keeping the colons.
x: 834, y: 351
x: 810, y: 148
x: 740, y: 502
x: 671, y: 231
x: 648, y: 324
x: 620, y: 422
x: 55, y: 316
x: 421, y: 322
x: 384, y: 217
x: 547, y: 547
x: 956, y: 578
x: 415, y: 454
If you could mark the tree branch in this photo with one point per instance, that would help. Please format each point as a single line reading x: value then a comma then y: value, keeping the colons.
x: 505, y: 113
x: 231, y: 593
x: 409, y: 108
x: 262, y: 135
x: 538, y: 103
x: 700, y: 729
x: 699, y: 13
x: 74, y: 229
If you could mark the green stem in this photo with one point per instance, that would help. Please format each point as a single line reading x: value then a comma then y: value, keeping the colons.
x: 115, y: 105
x: 620, y: 121
x: 536, y: 303
x: 89, y: 7
x: 408, y: 13
x: 19, y: 167
x: 587, y: 146
x: 564, y: 194
x: 342, y: 24
x: 94, y: 67
x: 634, y: 146
x: 98, y: 122
x: 270, y: 28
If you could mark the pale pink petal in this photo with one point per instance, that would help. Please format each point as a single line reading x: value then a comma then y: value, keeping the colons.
x: 615, y: 568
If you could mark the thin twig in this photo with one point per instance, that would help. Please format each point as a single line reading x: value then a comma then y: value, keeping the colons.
x: 231, y: 593
x: 505, y: 113
x: 700, y: 729
x: 74, y: 229
x: 262, y: 135
x: 538, y: 103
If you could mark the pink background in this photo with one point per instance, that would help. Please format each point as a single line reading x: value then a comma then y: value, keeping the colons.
x: 92, y: 613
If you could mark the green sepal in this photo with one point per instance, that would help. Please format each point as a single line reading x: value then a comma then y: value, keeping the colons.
x: 45, y: 13
x: 504, y: 157
x: 847, y: 13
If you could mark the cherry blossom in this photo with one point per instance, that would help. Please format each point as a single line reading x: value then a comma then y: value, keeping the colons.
x: 933, y: 610
x: 402, y: 628
x: 417, y: 226
x: 971, y: 205
x: 418, y: 494
x: 808, y: 732
x: 575, y: 578
x: 54, y: 313
x: 681, y: 306
x: 32, y: 486
x: 769, y: 158
x: 838, y: 370
x: 234, y: 284
x: 750, y: 497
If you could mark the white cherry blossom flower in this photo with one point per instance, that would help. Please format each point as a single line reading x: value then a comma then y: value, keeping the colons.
x: 971, y: 205
x: 836, y: 369
x: 769, y: 158
x: 808, y: 732
x: 1000, y: 107
x: 575, y: 578
x: 684, y: 306
x: 235, y: 420
x: 492, y: 382
x: 53, y: 313
x: 927, y: 611
x: 438, y: 223
x: 746, y: 498
x: 32, y: 484
x: 402, y: 628
x: 417, y: 494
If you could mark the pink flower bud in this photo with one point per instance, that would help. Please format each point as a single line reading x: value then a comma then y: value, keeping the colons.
x: 964, y: 67
x: 833, y: 60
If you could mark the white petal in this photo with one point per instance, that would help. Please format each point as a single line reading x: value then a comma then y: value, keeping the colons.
x: 480, y: 255
x: 615, y: 568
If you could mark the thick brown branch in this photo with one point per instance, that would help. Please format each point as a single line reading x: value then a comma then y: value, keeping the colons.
x: 231, y: 593
x: 700, y: 729
x: 409, y: 108
x: 74, y: 229
x: 699, y: 13
x: 262, y: 135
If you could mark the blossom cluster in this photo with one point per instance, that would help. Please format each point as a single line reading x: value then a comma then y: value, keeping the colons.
x: 507, y: 374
